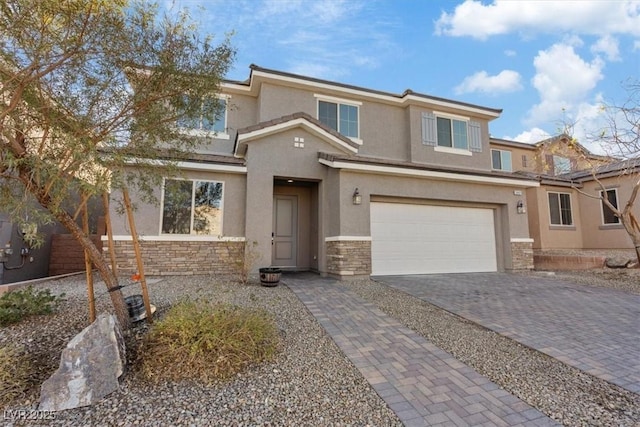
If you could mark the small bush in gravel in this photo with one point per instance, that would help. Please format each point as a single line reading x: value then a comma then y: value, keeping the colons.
x: 14, y: 374
x: 19, y: 304
x: 207, y: 342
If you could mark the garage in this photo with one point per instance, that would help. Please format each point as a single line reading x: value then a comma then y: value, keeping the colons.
x: 428, y: 239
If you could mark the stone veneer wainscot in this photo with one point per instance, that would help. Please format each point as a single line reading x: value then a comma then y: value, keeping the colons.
x: 348, y: 257
x: 522, y: 255
x: 181, y: 258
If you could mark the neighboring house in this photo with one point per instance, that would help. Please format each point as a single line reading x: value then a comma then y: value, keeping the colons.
x: 561, y: 214
x: 18, y: 261
x: 346, y: 181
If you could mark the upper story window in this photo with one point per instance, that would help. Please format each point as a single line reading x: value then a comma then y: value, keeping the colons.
x: 205, y: 123
x: 501, y: 160
x: 524, y: 161
x: 453, y: 134
x: 192, y: 207
x: 608, y: 217
x: 558, y: 165
x: 560, y: 209
x: 341, y: 116
x: 561, y: 165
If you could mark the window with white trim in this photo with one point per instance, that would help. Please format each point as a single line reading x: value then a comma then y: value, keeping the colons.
x: 212, y: 117
x: 341, y: 117
x: 608, y: 217
x: 501, y: 160
x: 560, y: 209
x: 192, y: 207
x: 451, y: 132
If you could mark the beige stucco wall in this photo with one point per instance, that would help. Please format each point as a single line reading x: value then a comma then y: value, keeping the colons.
x: 276, y: 157
x: 545, y: 235
x: 588, y: 231
x: 148, y: 216
x: 595, y: 234
x: 242, y: 111
x: 386, y: 131
x: 383, y: 127
x: 421, y: 153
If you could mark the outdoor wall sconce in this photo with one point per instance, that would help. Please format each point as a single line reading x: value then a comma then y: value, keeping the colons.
x: 520, y: 207
x: 357, y: 197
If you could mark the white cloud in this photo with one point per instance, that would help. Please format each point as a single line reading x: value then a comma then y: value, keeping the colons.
x: 563, y: 79
x: 475, y: 19
x: 510, y: 53
x: 609, y: 46
x: 505, y: 81
x: 530, y: 136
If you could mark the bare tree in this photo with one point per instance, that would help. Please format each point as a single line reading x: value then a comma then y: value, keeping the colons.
x: 620, y: 138
x: 89, y: 90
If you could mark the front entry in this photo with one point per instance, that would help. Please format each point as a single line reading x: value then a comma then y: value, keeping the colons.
x: 285, y: 231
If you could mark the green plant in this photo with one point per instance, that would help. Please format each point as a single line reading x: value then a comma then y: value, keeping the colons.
x: 19, y: 304
x: 207, y: 342
x: 14, y: 374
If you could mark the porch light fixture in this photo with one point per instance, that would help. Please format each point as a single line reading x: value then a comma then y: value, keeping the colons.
x: 520, y: 207
x: 357, y: 198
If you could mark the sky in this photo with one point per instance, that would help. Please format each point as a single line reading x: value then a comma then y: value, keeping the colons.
x: 544, y: 63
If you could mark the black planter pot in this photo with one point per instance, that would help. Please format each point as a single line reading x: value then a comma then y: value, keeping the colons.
x: 270, y: 276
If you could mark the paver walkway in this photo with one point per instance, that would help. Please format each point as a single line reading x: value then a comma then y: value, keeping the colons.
x: 422, y: 384
x: 596, y: 330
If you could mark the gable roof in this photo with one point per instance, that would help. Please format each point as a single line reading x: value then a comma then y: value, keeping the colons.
x: 281, y: 124
x: 260, y: 74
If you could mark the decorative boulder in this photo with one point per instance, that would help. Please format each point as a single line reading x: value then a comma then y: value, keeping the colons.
x: 618, y: 262
x: 89, y: 367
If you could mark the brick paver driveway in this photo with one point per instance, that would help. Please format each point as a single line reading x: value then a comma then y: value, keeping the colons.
x: 593, y: 329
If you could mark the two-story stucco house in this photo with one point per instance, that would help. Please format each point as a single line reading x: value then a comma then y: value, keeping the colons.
x: 346, y: 181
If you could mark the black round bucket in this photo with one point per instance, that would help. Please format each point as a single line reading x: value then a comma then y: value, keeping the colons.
x: 135, y: 305
x: 270, y: 276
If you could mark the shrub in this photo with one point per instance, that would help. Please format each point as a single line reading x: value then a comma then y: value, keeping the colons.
x: 14, y: 374
x: 206, y: 342
x: 19, y: 304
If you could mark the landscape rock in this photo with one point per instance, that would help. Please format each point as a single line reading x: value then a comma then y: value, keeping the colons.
x: 89, y: 367
x: 618, y: 262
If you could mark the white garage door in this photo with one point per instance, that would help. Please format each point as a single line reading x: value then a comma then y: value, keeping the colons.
x: 423, y: 239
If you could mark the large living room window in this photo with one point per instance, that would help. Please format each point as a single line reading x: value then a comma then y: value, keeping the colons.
x: 205, y: 123
x: 608, y: 217
x: 192, y: 207
x: 501, y: 160
x: 340, y: 116
x: 560, y: 209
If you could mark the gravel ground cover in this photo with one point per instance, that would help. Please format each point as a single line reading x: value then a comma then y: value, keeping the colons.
x: 311, y: 382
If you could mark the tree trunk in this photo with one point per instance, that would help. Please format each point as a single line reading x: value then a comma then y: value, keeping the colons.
x: 117, y: 299
x: 110, y: 280
x: 630, y: 226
